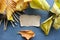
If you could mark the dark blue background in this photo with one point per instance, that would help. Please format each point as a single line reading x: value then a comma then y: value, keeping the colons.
x: 11, y: 33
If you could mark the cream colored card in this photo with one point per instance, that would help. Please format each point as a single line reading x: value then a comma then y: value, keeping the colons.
x: 30, y: 20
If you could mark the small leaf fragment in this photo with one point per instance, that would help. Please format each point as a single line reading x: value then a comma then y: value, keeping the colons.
x: 27, y: 34
x: 57, y: 3
x: 56, y: 24
x: 56, y: 7
x: 46, y: 25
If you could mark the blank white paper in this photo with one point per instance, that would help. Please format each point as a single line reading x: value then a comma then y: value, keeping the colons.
x: 30, y: 20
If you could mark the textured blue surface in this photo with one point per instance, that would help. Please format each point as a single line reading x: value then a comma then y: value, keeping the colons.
x: 11, y: 33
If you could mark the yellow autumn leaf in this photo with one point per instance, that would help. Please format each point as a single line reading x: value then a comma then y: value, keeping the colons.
x: 21, y: 5
x: 39, y: 4
x: 9, y: 14
x: 56, y: 24
x: 56, y: 7
x: 46, y: 25
x: 7, y: 7
x: 10, y: 9
x: 2, y: 6
x: 57, y: 3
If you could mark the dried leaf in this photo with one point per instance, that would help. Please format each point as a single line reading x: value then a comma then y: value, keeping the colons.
x: 39, y: 4
x: 7, y: 7
x: 46, y: 25
x: 27, y: 34
x: 21, y: 5
x: 2, y: 6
